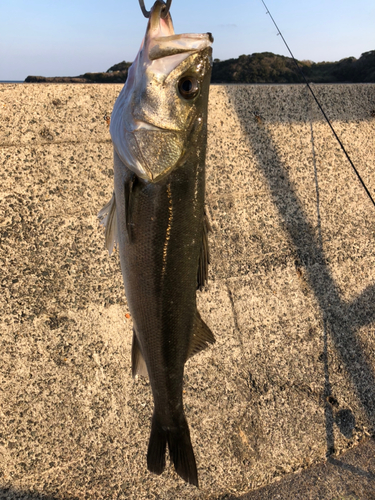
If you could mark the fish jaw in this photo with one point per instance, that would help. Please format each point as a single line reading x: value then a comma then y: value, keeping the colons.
x: 151, y: 120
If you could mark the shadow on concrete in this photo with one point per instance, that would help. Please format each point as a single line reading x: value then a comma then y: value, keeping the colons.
x: 335, y: 479
x: 341, y: 319
x: 352, y: 468
x: 14, y: 494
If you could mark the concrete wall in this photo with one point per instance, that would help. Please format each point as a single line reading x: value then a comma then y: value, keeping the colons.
x: 290, y: 297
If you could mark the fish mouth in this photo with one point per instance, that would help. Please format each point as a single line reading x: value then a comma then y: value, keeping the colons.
x: 161, y: 41
x: 143, y: 125
x: 158, y: 25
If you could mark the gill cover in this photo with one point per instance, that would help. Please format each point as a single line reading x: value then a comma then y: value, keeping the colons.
x: 161, y: 98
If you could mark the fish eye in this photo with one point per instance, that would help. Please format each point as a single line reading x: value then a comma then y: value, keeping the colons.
x: 188, y: 87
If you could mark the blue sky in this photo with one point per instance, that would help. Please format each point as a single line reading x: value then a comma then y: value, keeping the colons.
x: 71, y: 37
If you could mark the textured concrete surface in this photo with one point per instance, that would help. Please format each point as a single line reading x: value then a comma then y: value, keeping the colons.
x: 290, y: 297
x: 351, y: 477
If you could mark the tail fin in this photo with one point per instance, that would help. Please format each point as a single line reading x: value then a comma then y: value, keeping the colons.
x: 180, y: 450
x: 182, y: 454
x: 156, y: 448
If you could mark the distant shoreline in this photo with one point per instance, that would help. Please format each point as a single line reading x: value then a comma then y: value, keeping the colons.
x: 258, y: 68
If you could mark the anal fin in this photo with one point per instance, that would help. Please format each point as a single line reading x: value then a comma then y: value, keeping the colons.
x: 138, y: 363
x: 202, y: 336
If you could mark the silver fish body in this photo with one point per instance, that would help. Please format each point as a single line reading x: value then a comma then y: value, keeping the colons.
x: 157, y: 219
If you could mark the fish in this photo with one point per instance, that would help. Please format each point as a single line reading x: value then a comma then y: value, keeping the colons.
x: 156, y: 218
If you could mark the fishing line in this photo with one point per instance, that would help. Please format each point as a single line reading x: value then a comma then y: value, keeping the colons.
x: 318, y: 103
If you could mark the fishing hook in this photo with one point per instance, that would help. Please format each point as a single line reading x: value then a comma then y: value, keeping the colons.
x: 164, y: 12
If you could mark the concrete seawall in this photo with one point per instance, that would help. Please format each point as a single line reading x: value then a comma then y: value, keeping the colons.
x: 290, y: 297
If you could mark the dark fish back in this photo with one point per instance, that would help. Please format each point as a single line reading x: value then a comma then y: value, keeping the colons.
x: 162, y: 250
x: 162, y: 257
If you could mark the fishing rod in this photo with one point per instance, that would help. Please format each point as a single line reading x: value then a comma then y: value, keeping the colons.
x: 318, y: 103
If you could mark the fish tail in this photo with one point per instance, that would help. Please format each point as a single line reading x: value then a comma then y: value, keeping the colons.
x: 180, y: 450
x: 156, y: 448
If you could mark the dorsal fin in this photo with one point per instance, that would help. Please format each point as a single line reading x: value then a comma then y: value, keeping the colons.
x: 108, y: 219
x: 202, y: 336
x: 204, y: 257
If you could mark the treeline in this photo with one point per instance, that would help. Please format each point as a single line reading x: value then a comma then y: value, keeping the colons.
x: 263, y: 67
x: 266, y: 67
x: 115, y: 74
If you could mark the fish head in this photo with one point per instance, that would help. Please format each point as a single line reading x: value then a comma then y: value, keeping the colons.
x: 164, y: 98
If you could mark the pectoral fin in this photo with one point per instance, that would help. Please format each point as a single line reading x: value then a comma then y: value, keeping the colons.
x: 202, y: 336
x: 129, y: 186
x: 108, y: 219
x: 138, y: 363
x: 204, y: 257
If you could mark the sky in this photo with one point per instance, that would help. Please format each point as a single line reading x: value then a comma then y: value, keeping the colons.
x: 71, y: 37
